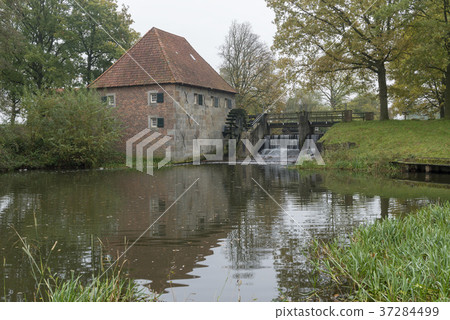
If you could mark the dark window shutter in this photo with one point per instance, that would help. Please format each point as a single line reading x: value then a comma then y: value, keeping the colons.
x: 160, y: 122
x: 104, y: 99
x: 200, y: 99
x: 160, y: 98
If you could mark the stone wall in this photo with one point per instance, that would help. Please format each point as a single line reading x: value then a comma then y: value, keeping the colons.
x: 133, y: 109
x: 210, y: 119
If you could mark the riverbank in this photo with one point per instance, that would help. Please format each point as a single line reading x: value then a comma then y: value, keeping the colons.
x: 395, y: 260
x: 372, y: 146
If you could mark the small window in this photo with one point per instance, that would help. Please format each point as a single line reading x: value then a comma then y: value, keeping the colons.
x: 153, y: 123
x: 198, y: 99
x: 110, y: 100
x: 215, y: 101
x: 228, y: 103
x: 152, y: 98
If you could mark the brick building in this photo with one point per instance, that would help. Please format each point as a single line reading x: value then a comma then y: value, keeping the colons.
x: 163, y: 84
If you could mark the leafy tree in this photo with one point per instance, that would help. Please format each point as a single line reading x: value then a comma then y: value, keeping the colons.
x: 95, y: 49
x: 248, y: 65
x: 422, y: 77
x: 11, y: 50
x: 47, y: 44
x: 420, y: 92
x: 334, y: 87
x: 48, y: 58
x: 329, y: 36
x: 305, y: 99
x: 365, y: 102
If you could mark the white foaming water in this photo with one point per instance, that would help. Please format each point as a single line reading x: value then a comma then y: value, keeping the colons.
x: 279, y: 148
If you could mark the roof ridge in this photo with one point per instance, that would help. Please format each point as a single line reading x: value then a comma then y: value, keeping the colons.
x: 175, y: 75
x: 122, y: 57
x: 170, y: 33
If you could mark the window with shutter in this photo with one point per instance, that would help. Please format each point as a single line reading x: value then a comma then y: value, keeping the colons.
x: 160, y: 122
x: 152, y: 98
x: 200, y: 99
x: 160, y: 98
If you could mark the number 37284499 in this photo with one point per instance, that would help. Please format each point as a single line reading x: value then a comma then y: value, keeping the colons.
x: 409, y: 311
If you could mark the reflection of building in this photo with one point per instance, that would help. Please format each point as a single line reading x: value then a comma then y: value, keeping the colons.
x: 181, y: 237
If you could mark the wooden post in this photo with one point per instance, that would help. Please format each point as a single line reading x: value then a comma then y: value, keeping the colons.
x: 348, y: 115
x: 369, y: 116
x: 303, y: 128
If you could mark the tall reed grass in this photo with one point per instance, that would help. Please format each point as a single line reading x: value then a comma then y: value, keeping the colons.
x: 111, y: 286
x: 395, y: 260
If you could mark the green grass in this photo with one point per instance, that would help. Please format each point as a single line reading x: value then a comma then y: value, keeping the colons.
x: 395, y: 260
x: 105, y: 289
x: 110, y: 286
x: 377, y: 143
x: 372, y: 186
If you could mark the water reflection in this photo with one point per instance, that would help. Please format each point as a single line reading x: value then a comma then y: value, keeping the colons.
x: 225, y: 239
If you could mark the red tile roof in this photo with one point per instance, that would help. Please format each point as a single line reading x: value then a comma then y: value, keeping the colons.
x: 166, y: 58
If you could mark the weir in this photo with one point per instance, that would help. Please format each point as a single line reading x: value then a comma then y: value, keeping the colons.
x: 303, y: 125
x: 276, y: 145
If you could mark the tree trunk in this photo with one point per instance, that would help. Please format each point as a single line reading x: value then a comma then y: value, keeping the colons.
x: 382, y: 92
x: 89, y: 69
x: 447, y: 94
x: 14, y: 111
x: 13, y: 116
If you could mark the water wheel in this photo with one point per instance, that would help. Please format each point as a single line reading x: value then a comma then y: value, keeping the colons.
x: 236, y: 124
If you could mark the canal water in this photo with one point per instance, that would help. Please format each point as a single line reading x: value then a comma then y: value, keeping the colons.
x: 241, y: 233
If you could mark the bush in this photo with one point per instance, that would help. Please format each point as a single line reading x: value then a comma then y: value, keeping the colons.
x: 14, y: 143
x: 71, y: 129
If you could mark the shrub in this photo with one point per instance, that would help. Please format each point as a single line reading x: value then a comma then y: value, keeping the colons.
x: 71, y: 128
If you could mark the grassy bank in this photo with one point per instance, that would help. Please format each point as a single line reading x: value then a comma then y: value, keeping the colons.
x: 396, y: 260
x: 372, y: 145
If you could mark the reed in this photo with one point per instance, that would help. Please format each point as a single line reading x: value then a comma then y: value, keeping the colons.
x: 395, y: 260
x: 112, y: 286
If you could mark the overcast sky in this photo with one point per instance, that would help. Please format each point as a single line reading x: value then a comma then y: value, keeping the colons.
x: 204, y: 23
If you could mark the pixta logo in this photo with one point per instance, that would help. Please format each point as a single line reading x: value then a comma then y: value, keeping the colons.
x: 150, y: 144
x: 309, y: 152
x: 146, y: 140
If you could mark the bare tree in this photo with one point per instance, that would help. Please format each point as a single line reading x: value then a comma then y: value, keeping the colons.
x: 334, y: 88
x: 247, y: 63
